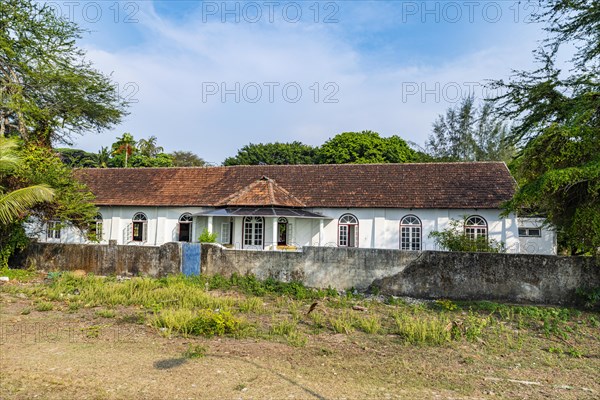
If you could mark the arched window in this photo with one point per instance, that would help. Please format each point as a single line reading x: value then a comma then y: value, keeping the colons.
x: 253, y: 231
x: 282, y: 231
x: 139, y: 231
x: 185, y: 227
x: 476, y: 227
x: 98, y: 228
x: 348, y: 231
x: 410, y: 233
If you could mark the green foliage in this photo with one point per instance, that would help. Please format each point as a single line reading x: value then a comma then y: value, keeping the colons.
x: 186, y: 159
x: 76, y: 158
x: 589, y: 297
x: 195, y: 351
x: 207, y: 237
x: 423, y: 330
x: 365, y: 147
x: 72, y: 203
x: 12, y: 240
x: 468, y: 133
x: 17, y: 197
x: 555, y: 109
x: 201, y: 323
x: 22, y: 275
x: 454, y: 238
x: 48, y: 90
x: 273, y: 154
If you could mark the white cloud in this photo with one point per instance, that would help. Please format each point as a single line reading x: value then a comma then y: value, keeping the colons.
x: 176, y: 59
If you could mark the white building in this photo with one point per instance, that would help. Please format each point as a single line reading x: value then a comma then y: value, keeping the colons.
x: 391, y: 206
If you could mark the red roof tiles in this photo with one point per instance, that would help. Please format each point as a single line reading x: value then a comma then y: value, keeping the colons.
x: 432, y: 185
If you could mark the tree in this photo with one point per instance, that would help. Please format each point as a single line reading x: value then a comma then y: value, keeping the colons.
x: 186, y: 159
x: 76, y: 158
x: 148, y: 147
x: 557, y: 122
x: 273, y: 154
x: 468, y: 133
x: 363, y: 148
x: 125, y: 146
x: 15, y: 203
x: 48, y: 91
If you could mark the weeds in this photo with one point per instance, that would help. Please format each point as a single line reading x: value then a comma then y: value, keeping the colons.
x: 423, y: 330
x: 106, y: 313
x: 44, y: 306
x: 202, y: 322
x: 195, y: 351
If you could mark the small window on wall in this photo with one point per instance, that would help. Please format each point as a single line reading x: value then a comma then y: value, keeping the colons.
x: 53, y: 230
x: 98, y: 228
x: 139, y: 227
x: 348, y: 231
x: 253, y: 231
x: 410, y: 233
x: 530, y: 232
x: 185, y: 227
x: 476, y: 227
x: 226, y: 232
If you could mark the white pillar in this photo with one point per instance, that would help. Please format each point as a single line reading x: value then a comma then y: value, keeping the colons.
x: 321, y: 231
x: 274, y: 236
x: 210, y: 224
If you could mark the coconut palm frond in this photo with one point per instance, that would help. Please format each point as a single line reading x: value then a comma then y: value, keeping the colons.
x: 17, y: 202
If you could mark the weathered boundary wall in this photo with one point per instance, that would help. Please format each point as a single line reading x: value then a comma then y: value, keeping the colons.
x: 460, y: 276
x: 340, y: 268
x: 520, y: 278
x: 104, y: 259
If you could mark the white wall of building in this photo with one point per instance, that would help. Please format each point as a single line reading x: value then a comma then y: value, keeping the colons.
x: 378, y: 228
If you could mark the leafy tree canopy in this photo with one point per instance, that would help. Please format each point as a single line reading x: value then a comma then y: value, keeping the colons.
x: 186, y: 159
x: 273, y: 154
x: 365, y: 147
x: 48, y: 90
x: 557, y: 122
x: 469, y: 133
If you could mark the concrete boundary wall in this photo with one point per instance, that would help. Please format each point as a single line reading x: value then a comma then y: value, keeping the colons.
x: 104, y: 259
x: 430, y: 274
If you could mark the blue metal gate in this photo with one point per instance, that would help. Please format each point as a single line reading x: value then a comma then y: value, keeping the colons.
x: 190, y: 258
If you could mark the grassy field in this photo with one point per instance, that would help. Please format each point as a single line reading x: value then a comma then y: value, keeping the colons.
x: 83, y: 336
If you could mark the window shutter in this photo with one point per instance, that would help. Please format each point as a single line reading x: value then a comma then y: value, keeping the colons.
x: 225, y: 233
x: 144, y: 232
x: 291, y: 235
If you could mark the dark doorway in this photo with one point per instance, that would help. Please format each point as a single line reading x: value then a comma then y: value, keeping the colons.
x: 282, y: 232
x: 184, y: 231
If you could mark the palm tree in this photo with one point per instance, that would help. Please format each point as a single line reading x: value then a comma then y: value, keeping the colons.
x: 149, y: 148
x: 124, y: 144
x: 16, y: 203
x: 103, y: 157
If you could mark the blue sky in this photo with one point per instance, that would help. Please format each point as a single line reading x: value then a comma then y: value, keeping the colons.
x: 210, y: 77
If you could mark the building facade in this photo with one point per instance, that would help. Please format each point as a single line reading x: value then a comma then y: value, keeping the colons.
x: 390, y: 206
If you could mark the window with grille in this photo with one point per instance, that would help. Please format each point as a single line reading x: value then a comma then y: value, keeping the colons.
x: 99, y: 224
x: 476, y: 228
x: 53, y: 230
x: 185, y: 227
x: 139, y: 227
x: 253, y: 231
x: 348, y: 231
x: 410, y: 233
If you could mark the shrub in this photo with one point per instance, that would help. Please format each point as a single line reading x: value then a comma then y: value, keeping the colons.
x: 207, y: 237
x: 454, y: 238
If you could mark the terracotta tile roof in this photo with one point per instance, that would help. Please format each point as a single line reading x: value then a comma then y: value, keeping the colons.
x: 434, y: 185
x: 263, y: 192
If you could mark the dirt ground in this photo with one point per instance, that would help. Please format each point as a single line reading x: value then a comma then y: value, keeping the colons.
x: 79, y: 355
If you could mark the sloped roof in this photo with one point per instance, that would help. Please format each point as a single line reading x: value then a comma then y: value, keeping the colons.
x: 428, y: 185
x: 263, y: 192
